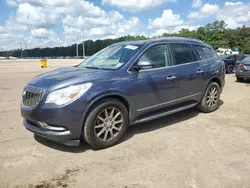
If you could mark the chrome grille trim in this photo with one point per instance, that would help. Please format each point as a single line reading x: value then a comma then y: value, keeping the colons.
x: 32, y: 96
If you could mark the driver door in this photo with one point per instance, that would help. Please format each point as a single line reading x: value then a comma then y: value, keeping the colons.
x: 156, y: 82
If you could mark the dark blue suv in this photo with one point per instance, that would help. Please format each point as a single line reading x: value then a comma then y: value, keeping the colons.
x: 124, y: 84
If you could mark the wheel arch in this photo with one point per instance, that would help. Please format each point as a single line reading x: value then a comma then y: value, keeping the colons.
x: 94, y: 102
x: 212, y: 79
x: 215, y: 79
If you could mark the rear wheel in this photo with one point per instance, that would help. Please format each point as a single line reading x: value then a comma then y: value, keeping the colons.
x: 106, y: 124
x: 211, y: 98
x: 239, y: 79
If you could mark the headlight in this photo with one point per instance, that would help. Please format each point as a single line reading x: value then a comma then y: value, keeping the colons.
x: 69, y: 94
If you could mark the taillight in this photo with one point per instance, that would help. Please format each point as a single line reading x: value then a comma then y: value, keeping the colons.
x: 242, y: 64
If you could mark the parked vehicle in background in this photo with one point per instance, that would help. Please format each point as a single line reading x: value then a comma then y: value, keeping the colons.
x: 230, y: 61
x: 124, y: 84
x: 243, y: 69
x: 12, y: 58
x: 2, y: 58
x: 226, y: 51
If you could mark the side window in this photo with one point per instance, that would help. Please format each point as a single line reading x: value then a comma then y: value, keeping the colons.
x: 158, y: 55
x: 183, y: 53
x: 240, y: 57
x: 203, y: 52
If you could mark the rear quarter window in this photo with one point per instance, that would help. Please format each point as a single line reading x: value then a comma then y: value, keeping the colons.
x: 203, y: 52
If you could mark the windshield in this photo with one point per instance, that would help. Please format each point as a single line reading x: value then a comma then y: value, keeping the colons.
x: 111, y: 57
x: 247, y: 58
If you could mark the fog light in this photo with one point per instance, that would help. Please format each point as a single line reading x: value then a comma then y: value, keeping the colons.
x: 46, y: 126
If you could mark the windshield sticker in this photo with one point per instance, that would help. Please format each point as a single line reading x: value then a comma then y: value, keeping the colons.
x: 131, y: 47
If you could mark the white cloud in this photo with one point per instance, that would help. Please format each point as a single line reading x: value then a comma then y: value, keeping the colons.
x: 167, y: 19
x: 36, y: 16
x: 76, y: 8
x: 11, y: 2
x: 169, y: 23
x: 136, y: 5
x: 196, y: 3
x: 176, y: 29
x: 235, y: 14
x: 42, y: 33
x: 207, y: 10
x: 232, y: 3
x: 35, y: 21
x: 110, y: 24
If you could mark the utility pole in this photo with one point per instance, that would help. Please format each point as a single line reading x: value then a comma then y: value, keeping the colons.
x: 26, y: 50
x: 76, y: 45
x: 83, y: 49
x: 76, y: 49
x: 21, y: 49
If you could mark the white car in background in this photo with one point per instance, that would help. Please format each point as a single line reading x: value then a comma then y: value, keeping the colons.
x: 2, y: 58
x: 12, y: 58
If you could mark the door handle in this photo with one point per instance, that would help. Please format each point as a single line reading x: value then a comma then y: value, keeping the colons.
x: 170, y: 77
x: 200, y: 71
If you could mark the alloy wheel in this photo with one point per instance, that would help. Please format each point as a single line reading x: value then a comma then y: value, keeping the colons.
x: 108, y: 124
x: 212, y: 96
x: 231, y: 69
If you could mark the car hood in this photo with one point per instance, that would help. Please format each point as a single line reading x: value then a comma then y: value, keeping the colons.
x: 67, y: 76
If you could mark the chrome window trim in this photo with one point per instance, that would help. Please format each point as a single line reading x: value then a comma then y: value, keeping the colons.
x: 130, y: 72
x: 154, y: 106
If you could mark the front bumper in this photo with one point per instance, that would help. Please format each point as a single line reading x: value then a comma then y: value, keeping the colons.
x: 62, y: 137
x: 64, y: 124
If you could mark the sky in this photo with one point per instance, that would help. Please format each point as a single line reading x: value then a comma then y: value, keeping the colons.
x: 50, y: 23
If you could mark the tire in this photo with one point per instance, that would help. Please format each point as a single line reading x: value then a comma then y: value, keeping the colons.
x: 230, y: 69
x: 239, y: 79
x: 204, y: 105
x: 100, y: 125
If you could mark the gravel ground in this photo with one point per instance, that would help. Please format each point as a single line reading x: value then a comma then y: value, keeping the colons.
x: 187, y: 149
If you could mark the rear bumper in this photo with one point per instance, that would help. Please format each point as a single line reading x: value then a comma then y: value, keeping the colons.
x: 243, y: 74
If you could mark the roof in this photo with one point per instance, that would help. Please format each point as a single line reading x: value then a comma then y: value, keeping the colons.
x: 163, y: 39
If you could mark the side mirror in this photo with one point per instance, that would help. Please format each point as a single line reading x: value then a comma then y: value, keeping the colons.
x: 143, y: 65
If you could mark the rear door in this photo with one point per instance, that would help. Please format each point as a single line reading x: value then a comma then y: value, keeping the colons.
x: 207, y: 64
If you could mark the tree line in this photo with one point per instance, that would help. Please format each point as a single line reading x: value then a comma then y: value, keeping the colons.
x: 216, y: 34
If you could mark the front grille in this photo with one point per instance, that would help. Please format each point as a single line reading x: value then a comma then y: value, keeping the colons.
x: 32, y: 96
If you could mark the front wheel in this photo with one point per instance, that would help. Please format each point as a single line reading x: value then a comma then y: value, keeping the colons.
x: 211, y: 98
x: 106, y: 124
